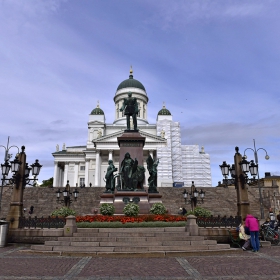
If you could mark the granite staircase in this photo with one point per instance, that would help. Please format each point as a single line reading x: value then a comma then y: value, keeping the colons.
x: 158, y: 242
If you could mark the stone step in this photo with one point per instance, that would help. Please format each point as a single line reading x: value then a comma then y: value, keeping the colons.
x: 142, y: 229
x: 129, y: 234
x: 111, y: 241
x: 131, y: 239
x: 129, y: 249
x: 135, y: 242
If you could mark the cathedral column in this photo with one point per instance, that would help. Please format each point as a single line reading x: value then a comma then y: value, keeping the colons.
x: 97, y: 168
x: 86, y: 172
x: 76, y: 171
x: 110, y: 154
x: 65, y: 173
x: 59, y: 179
x: 151, y: 152
x: 55, y: 176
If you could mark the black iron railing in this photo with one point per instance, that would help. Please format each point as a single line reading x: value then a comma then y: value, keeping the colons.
x: 50, y: 222
x: 219, y: 221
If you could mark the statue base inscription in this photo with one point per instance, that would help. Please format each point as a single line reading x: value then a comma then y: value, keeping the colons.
x: 142, y: 198
x: 132, y: 142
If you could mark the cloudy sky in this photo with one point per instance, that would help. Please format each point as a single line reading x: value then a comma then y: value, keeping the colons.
x: 214, y: 63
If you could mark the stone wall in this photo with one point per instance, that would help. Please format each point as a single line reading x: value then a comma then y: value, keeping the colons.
x: 219, y: 200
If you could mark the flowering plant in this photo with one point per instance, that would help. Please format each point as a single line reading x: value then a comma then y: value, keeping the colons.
x: 200, y: 212
x: 107, y: 209
x: 64, y: 212
x: 126, y: 219
x: 158, y: 209
x: 131, y: 210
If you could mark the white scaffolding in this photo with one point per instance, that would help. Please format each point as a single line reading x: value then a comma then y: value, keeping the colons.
x: 196, y: 166
x: 176, y: 152
x: 165, y: 154
x: 182, y: 163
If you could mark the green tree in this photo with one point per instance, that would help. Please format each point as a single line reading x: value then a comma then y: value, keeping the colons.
x: 46, y: 183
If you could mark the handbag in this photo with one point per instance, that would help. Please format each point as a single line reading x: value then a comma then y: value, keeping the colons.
x: 247, y: 231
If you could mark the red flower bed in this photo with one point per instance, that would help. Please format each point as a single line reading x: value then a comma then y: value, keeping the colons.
x: 124, y: 219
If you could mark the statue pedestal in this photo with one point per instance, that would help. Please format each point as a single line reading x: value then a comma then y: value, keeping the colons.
x: 142, y: 198
x: 131, y: 142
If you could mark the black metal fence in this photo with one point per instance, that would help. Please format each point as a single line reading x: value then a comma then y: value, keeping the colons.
x: 50, y: 222
x: 219, y: 221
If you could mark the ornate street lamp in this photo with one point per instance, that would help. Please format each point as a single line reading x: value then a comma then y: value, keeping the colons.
x: 5, y: 168
x: 193, y: 196
x: 226, y: 169
x: 246, y: 167
x: 17, y: 178
x: 256, y: 172
x: 20, y: 178
x: 66, y: 195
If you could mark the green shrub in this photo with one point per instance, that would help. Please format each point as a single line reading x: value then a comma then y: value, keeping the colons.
x: 64, y: 212
x: 200, y: 212
x: 107, y: 209
x: 158, y: 209
x: 131, y: 210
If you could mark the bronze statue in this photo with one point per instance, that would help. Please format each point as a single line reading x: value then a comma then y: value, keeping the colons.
x: 132, y: 174
x: 110, y: 179
x: 152, y: 168
x: 130, y: 107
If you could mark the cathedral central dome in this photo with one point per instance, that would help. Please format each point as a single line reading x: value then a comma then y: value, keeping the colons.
x: 131, y: 83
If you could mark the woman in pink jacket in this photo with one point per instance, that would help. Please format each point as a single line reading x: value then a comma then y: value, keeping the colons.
x: 252, y: 223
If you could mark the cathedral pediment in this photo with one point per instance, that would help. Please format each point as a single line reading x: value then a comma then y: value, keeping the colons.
x: 95, y: 122
x: 112, y: 138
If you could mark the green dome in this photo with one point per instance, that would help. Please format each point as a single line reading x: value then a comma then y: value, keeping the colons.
x: 164, y: 111
x: 97, y: 111
x: 131, y: 83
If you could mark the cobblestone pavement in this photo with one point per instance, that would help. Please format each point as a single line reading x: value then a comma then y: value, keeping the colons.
x: 15, y: 264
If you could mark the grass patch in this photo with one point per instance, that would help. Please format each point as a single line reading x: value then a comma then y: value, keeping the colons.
x: 129, y: 225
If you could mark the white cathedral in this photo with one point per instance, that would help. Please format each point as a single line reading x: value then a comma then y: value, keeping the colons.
x: 87, y: 165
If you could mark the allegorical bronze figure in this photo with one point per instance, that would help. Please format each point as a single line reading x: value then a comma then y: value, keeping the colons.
x: 110, y: 180
x: 152, y: 168
x: 132, y: 174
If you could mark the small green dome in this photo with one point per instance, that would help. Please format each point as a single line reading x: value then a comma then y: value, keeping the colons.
x: 97, y: 111
x: 131, y: 83
x: 164, y: 111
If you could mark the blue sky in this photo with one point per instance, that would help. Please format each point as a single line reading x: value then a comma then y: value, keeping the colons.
x: 215, y: 64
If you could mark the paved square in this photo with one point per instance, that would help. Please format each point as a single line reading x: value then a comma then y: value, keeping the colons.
x: 16, y: 264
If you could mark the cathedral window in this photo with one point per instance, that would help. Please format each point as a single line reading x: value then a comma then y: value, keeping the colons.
x: 82, y: 181
x: 82, y: 168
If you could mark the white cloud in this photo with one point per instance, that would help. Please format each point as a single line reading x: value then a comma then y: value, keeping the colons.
x: 179, y: 14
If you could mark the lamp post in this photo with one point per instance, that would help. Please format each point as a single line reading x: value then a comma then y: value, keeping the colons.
x: 239, y: 179
x: 193, y: 195
x: 256, y: 171
x: 5, y: 167
x: 20, y: 179
x: 244, y: 179
x: 274, y: 202
x: 225, y: 169
x: 66, y: 195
